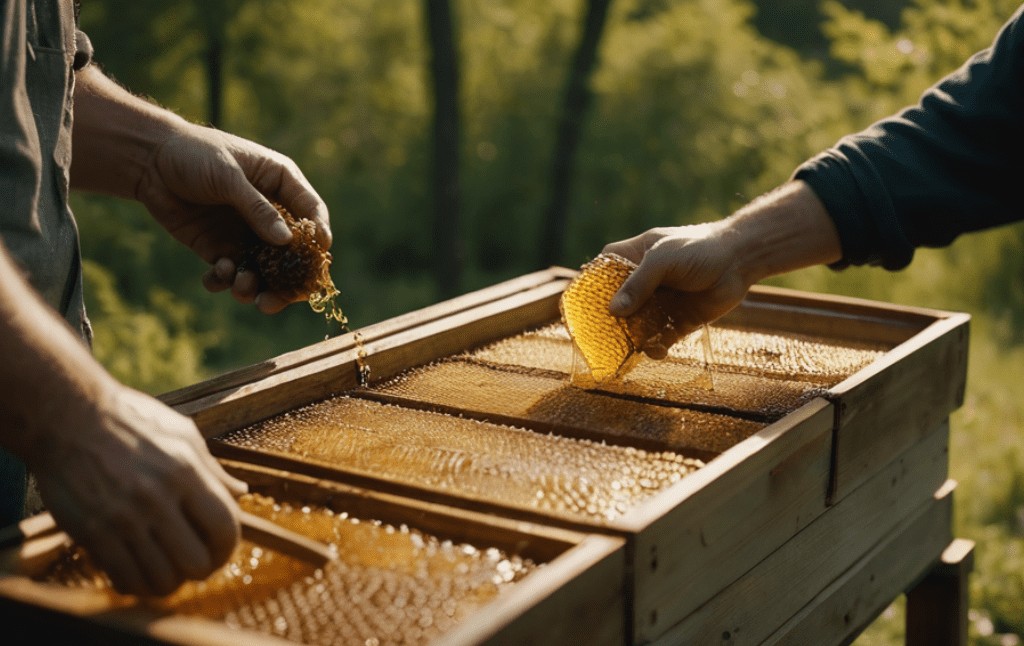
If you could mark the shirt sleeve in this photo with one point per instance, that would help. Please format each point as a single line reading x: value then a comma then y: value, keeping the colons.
x: 19, y: 148
x: 949, y: 165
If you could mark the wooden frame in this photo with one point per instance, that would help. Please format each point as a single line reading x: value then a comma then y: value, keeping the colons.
x: 696, y: 551
x: 572, y: 583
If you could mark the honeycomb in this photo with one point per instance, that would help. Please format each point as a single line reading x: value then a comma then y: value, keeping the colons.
x: 389, y: 585
x: 513, y: 467
x: 610, y: 345
x: 652, y: 384
x: 549, y: 403
x: 760, y: 354
x: 301, y: 267
x: 793, y: 356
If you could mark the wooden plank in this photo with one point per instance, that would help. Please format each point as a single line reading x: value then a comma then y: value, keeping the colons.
x: 36, y: 613
x: 937, y: 606
x: 367, y: 334
x: 733, y: 512
x: 897, y: 400
x: 847, y: 606
x: 242, y: 405
x: 757, y: 604
x: 544, y: 610
x: 826, y: 315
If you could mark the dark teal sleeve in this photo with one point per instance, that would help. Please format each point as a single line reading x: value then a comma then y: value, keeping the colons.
x: 949, y: 165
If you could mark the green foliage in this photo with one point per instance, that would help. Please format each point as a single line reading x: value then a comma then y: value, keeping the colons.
x: 696, y: 114
x: 152, y: 348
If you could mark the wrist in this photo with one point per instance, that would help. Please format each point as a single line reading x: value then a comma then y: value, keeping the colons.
x: 116, y: 135
x: 784, y: 230
x: 72, y: 407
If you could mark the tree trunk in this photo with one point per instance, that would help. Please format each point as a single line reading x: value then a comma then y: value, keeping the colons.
x: 445, y: 173
x: 215, y: 16
x: 574, y: 106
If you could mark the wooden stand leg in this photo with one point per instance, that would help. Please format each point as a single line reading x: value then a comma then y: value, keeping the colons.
x: 937, y: 606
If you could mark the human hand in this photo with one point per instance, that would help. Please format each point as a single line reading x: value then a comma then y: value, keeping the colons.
x: 132, y: 481
x: 699, y: 262
x: 209, y: 190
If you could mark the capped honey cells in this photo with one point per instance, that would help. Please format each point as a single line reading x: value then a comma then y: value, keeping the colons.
x: 571, y: 478
x: 389, y: 585
x: 547, y: 403
x: 301, y: 267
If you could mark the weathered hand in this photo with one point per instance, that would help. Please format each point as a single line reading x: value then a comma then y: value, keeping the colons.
x: 210, y: 190
x: 132, y: 481
x: 699, y: 262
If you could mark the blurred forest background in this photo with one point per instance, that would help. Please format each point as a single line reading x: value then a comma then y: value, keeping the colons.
x: 561, y: 125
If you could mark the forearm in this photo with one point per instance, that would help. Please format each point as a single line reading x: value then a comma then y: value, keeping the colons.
x: 782, y: 231
x: 48, y: 375
x: 115, y: 134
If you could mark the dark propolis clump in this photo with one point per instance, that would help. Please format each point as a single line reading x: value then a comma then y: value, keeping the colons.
x: 300, y: 267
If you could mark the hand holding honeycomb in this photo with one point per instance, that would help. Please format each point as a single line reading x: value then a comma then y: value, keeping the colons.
x: 610, y: 345
x: 300, y: 268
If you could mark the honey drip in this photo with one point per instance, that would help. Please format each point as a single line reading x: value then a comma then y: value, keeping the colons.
x: 389, y: 585
x: 514, y: 467
x: 362, y: 367
x: 301, y: 267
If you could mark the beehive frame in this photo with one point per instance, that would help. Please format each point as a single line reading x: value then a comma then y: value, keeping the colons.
x: 871, y: 453
x: 533, y: 610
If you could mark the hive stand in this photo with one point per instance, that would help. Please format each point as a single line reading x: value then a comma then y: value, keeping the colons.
x: 937, y: 606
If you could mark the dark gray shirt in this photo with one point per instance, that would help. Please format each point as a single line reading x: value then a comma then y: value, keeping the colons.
x: 949, y: 165
x: 37, y: 54
x: 38, y: 46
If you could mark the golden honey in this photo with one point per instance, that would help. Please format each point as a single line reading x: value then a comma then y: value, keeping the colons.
x: 546, y: 402
x: 572, y: 478
x: 389, y: 585
x: 610, y: 345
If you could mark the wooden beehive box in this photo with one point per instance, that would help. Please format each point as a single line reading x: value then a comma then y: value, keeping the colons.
x: 567, y: 599
x: 802, y: 529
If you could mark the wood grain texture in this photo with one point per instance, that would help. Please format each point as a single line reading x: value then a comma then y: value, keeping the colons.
x: 842, y: 610
x: 760, y: 602
x: 897, y: 400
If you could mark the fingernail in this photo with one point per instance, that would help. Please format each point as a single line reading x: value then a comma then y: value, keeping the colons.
x: 620, y: 303
x: 280, y: 233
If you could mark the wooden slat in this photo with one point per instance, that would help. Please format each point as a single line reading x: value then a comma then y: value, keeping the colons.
x: 242, y: 405
x: 545, y: 610
x: 854, y: 600
x: 897, y: 400
x: 731, y: 514
x: 826, y: 315
x: 581, y: 577
x: 367, y: 334
x: 757, y: 604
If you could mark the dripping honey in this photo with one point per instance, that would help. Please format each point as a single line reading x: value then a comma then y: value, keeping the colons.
x: 302, y: 267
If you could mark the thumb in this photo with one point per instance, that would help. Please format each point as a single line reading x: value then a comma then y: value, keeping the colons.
x: 256, y: 209
x: 638, y: 287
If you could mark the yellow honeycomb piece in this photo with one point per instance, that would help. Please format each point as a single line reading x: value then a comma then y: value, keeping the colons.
x: 610, y: 345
